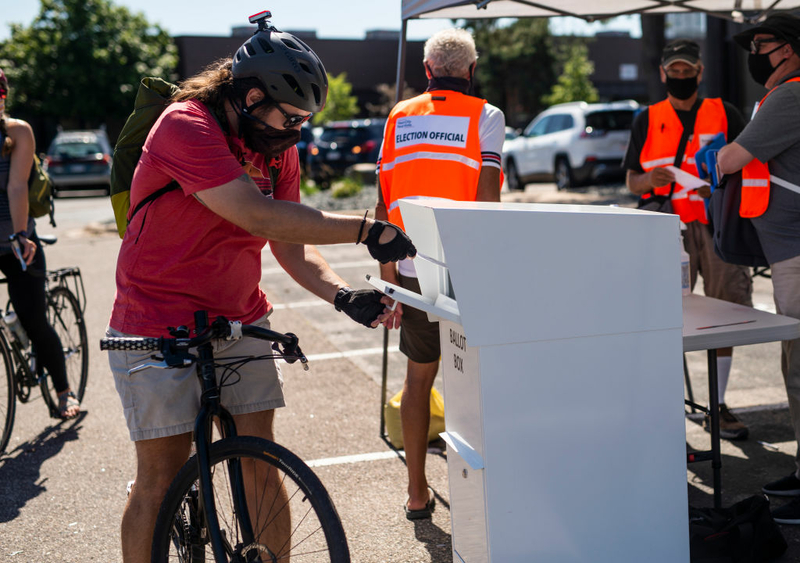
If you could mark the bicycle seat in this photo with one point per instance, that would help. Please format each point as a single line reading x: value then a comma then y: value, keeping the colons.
x: 48, y: 239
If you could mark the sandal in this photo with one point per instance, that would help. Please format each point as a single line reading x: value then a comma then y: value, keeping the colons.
x: 422, y: 513
x: 66, y: 402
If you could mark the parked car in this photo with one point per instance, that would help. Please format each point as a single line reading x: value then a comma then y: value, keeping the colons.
x: 306, y: 138
x: 342, y: 144
x: 79, y: 160
x: 574, y: 143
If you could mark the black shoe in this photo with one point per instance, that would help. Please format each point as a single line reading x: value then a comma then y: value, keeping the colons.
x: 788, y: 486
x: 788, y: 513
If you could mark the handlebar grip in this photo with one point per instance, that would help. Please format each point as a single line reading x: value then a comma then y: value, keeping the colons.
x: 130, y: 343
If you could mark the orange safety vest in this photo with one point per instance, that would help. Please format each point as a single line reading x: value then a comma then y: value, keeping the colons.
x: 663, y: 137
x: 756, y: 179
x: 431, y: 148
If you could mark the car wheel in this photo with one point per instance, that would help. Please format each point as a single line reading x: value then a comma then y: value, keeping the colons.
x: 563, y: 174
x: 512, y: 177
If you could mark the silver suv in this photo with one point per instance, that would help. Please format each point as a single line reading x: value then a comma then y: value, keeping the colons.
x: 575, y: 143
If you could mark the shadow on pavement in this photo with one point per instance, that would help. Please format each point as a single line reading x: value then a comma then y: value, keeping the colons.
x: 747, y: 465
x: 20, y: 468
x: 435, y: 540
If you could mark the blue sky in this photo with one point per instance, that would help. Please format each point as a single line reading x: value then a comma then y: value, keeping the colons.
x: 331, y: 19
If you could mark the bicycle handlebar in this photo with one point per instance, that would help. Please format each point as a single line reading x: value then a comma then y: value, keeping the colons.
x: 175, y: 349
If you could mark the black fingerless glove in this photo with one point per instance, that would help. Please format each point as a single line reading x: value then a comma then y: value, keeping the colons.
x: 361, y: 305
x: 396, y: 249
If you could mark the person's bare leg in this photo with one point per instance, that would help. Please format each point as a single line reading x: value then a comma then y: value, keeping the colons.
x: 276, y: 534
x: 415, y: 416
x: 158, y: 461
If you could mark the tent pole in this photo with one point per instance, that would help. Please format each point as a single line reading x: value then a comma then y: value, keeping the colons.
x: 401, y: 63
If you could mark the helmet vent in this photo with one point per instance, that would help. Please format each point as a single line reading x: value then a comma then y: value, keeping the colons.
x: 304, y: 67
x: 265, y: 45
x: 250, y: 49
x: 294, y: 85
x: 317, y: 93
x: 291, y: 44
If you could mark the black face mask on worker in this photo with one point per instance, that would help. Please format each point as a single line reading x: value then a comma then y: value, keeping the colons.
x: 682, y: 88
x: 262, y: 138
x: 760, y: 68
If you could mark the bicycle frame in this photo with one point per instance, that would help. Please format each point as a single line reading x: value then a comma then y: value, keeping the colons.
x: 203, y: 436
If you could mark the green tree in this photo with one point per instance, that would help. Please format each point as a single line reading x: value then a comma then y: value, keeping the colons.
x: 79, y: 63
x: 516, y: 65
x: 341, y: 104
x: 574, y: 84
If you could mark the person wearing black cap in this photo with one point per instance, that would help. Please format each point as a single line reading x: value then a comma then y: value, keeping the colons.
x: 768, y: 154
x: 670, y: 133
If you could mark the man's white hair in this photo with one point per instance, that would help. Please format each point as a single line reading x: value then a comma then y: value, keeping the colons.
x: 450, y: 52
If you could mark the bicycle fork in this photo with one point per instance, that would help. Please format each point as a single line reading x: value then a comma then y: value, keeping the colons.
x: 203, y: 433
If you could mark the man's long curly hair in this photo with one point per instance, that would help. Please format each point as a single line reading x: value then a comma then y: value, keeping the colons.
x: 215, y: 84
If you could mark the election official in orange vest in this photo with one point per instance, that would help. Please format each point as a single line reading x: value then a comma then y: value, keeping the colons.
x: 445, y: 143
x: 669, y: 133
x: 768, y: 154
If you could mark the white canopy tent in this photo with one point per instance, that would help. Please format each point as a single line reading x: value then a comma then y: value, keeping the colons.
x: 745, y: 11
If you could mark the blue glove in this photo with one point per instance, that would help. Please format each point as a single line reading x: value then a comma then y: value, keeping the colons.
x: 700, y: 156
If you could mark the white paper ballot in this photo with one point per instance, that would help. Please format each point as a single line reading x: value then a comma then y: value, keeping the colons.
x: 688, y: 181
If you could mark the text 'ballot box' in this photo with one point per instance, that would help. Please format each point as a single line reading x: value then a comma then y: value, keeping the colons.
x: 562, y: 358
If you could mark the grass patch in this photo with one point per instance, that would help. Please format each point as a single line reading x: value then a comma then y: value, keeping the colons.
x: 346, y: 187
x: 307, y: 187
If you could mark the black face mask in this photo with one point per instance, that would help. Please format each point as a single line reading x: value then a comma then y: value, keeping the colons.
x: 265, y: 139
x: 760, y: 68
x: 682, y: 88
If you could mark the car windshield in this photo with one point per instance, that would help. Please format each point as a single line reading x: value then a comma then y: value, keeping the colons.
x: 614, y: 120
x: 76, y: 149
x: 345, y: 135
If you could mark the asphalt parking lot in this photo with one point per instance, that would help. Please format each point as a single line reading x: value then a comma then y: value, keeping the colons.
x: 62, y: 486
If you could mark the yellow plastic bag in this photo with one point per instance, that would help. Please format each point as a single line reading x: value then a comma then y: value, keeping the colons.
x: 394, y: 429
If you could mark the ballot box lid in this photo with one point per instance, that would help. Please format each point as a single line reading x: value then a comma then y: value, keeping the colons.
x: 532, y: 272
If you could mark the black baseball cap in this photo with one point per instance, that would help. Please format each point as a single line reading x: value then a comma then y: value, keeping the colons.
x: 783, y: 26
x: 683, y: 50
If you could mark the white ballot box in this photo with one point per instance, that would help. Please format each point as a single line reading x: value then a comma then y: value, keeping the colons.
x: 562, y: 360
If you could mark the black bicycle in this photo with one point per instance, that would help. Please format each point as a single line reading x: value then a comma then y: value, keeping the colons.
x: 21, y: 373
x: 240, y: 498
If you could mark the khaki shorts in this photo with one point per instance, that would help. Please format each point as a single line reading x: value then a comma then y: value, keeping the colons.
x: 419, y: 338
x: 165, y: 402
x: 729, y: 282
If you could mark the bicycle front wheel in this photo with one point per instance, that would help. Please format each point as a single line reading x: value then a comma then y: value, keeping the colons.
x: 8, y: 399
x: 64, y: 315
x: 291, y: 515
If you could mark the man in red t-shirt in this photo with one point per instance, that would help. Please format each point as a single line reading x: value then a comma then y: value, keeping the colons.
x: 199, y: 248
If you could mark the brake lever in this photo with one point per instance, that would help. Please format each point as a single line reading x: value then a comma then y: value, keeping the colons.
x: 176, y: 362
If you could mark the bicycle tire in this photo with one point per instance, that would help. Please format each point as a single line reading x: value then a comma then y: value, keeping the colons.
x: 64, y: 315
x: 8, y: 398
x: 316, y: 530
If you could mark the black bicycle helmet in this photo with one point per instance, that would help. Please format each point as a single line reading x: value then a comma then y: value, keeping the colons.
x: 289, y: 70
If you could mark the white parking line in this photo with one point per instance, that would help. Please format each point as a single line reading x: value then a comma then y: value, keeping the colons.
x: 350, y: 353
x: 358, y: 458
x: 300, y: 304
x: 335, y: 266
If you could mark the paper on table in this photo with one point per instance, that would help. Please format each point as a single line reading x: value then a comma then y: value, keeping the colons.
x: 688, y: 181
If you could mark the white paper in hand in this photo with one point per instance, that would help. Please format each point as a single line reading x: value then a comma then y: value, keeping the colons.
x: 688, y: 181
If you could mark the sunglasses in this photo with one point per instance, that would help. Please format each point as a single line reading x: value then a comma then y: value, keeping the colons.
x: 755, y: 44
x: 293, y: 120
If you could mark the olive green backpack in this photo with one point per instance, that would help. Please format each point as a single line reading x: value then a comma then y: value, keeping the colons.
x: 40, y: 192
x: 151, y: 100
